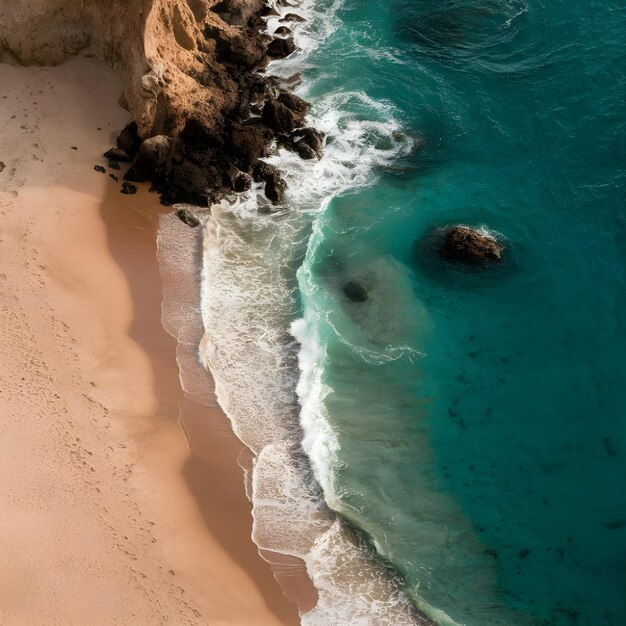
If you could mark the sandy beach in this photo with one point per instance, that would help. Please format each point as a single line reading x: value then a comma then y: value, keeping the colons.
x: 106, y: 516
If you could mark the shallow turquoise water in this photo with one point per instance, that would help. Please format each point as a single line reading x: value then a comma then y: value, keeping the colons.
x: 482, y: 416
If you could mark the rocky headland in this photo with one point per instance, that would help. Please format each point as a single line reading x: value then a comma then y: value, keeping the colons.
x: 192, y: 69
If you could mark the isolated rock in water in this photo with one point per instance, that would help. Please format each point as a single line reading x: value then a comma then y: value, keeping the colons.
x: 2, y: 166
x: 355, y: 291
x: 187, y: 217
x: 468, y: 245
x: 99, y: 168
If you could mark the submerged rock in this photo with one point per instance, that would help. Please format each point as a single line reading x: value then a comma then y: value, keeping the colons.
x: 355, y: 291
x: 468, y: 245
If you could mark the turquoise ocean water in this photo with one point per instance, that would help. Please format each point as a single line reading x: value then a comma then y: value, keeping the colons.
x: 479, y: 418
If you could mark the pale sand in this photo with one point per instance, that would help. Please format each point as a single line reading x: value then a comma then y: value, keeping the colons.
x: 105, y: 517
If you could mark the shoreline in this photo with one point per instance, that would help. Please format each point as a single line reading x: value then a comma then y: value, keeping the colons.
x: 108, y: 469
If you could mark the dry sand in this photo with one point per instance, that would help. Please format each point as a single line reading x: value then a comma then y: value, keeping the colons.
x: 105, y: 516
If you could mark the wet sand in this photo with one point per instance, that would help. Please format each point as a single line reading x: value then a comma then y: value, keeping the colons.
x: 107, y: 516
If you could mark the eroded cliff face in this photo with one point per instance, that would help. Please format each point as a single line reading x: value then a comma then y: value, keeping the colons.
x: 170, y: 67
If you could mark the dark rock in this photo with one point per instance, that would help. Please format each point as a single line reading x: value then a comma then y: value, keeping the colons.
x: 238, y: 12
x: 128, y: 140
x: 114, y: 165
x: 262, y: 171
x: 187, y: 217
x: 74, y: 147
x: 99, y: 168
x: 461, y: 243
x: 305, y: 151
x: 283, y: 31
x: 268, y: 11
x: 292, y: 81
x: 355, y: 291
x: 279, y: 48
x: 114, y: 177
x: 237, y: 49
x: 311, y: 137
x: 152, y: 154
x: 196, y: 132
x: 275, y: 186
x: 294, y: 103
x: 247, y: 143
x: 192, y: 183
x: 292, y: 17
x: 243, y: 182
x: 280, y: 118
x: 128, y: 188
x: 117, y: 154
x: 2, y: 165
x: 275, y: 190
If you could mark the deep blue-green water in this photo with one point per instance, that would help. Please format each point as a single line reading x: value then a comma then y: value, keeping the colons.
x: 480, y: 417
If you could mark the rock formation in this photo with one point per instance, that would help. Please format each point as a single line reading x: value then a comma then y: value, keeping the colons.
x: 190, y: 82
x: 468, y: 245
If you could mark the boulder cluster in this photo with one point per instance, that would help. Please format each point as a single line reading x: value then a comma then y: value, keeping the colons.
x: 198, y: 162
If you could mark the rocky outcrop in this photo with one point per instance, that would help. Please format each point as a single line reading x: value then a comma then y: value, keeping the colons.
x: 190, y: 82
x: 468, y: 245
